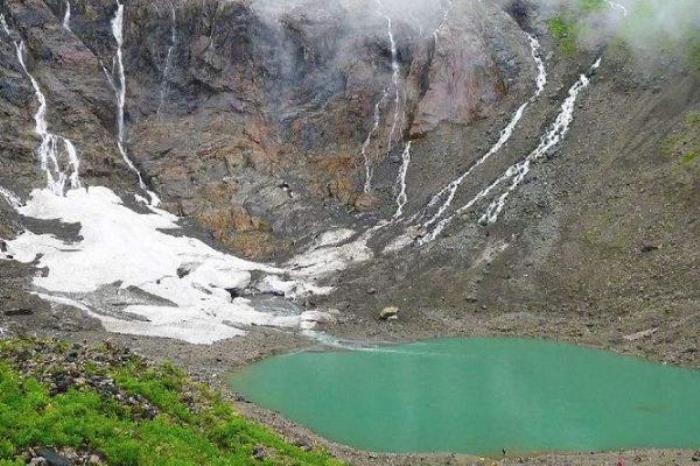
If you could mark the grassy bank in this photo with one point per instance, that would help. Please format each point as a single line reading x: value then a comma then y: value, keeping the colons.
x: 107, y: 406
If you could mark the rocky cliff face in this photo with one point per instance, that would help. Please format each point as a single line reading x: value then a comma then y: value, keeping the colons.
x: 258, y: 124
x: 250, y: 120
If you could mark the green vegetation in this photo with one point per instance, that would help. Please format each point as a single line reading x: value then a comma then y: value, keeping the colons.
x: 564, y: 28
x: 690, y: 157
x: 590, y: 6
x: 693, y: 119
x: 188, y: 423
x: 564, y: 32
x: 683, y: 146
x: 642, y: 28
x: 694, y: 54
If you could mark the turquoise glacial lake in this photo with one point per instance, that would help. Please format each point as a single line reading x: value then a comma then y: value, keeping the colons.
x: 481, y: 396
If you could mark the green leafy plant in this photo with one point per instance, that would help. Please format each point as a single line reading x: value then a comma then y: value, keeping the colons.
x: 193, y: 425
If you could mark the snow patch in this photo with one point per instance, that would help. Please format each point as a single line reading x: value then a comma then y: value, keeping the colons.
x: 120, y: 247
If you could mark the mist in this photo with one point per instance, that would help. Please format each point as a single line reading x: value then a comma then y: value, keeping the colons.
x: 649, y: 27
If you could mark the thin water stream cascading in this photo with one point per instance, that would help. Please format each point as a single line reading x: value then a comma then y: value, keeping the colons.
x: 11, y: 198
x: 164, y: 87
x: 3, y: 23
x: 117, y: 24
x: 445, y: 15
x: 402, y: 196
x: 66, y: 17
x: 395, y: 74
x: 619, y: 7
x: 49, y: 151
x: 416, y: 21
x: 516, y: 173
x: 365, y: 145
x: 448, y: 193
x: 557, y: 132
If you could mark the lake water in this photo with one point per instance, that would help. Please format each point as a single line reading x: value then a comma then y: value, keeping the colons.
x: 481, y: 396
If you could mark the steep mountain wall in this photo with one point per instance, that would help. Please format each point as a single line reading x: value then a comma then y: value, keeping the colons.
x: 258, y: 125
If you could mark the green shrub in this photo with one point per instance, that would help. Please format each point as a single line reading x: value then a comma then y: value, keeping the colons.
x: 193, y: 425
x: 564, y: 33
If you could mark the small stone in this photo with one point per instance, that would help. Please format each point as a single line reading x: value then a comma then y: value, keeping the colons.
x: 372, y: 291
x: 650, y: 247
x: 389, y: 313
x: 18, y: 311
x: 94, y: 459
x: 52, y: 458
x: 696, y: 456
x: 259, y: 453
x: 303, y: 444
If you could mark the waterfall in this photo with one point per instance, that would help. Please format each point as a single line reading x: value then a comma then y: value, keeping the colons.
x: 450, y: 190
x: 49, y: 150
x: 118, y: 33
x: 416, y: 21
x: 110, y: 80
x: 516, y: 173
x: 3, y: 23
x: 556, y: 133
x: 619, y: 7
x: 164, y: 87
x: 402, y: 197
x: 445, y: 16
x: 12, y: 199
x: 74, y: 163
x: 66, y: 17
x: 541, y: 80
x: 368, y: 141
x: 117, y: 24
x: 395, y: 74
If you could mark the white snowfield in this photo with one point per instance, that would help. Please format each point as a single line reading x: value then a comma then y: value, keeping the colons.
x: 189, y: 282
x: 119, y: 245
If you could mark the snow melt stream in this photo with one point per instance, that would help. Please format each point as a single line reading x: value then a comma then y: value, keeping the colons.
x: 168, y: 60
x: 445, y: 16
x: 66, y: 17
x: 368, y: 141
x: 402, y: 196
x: 516, y: 173
x: 555, y: 134
x: 619, y: 7
x: 117, y: 24
x: 448, y: 193
x: 52, y: 148
x: 395, y: 74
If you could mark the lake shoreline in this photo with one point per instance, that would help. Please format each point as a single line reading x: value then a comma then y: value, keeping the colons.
x: 572, y: 398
